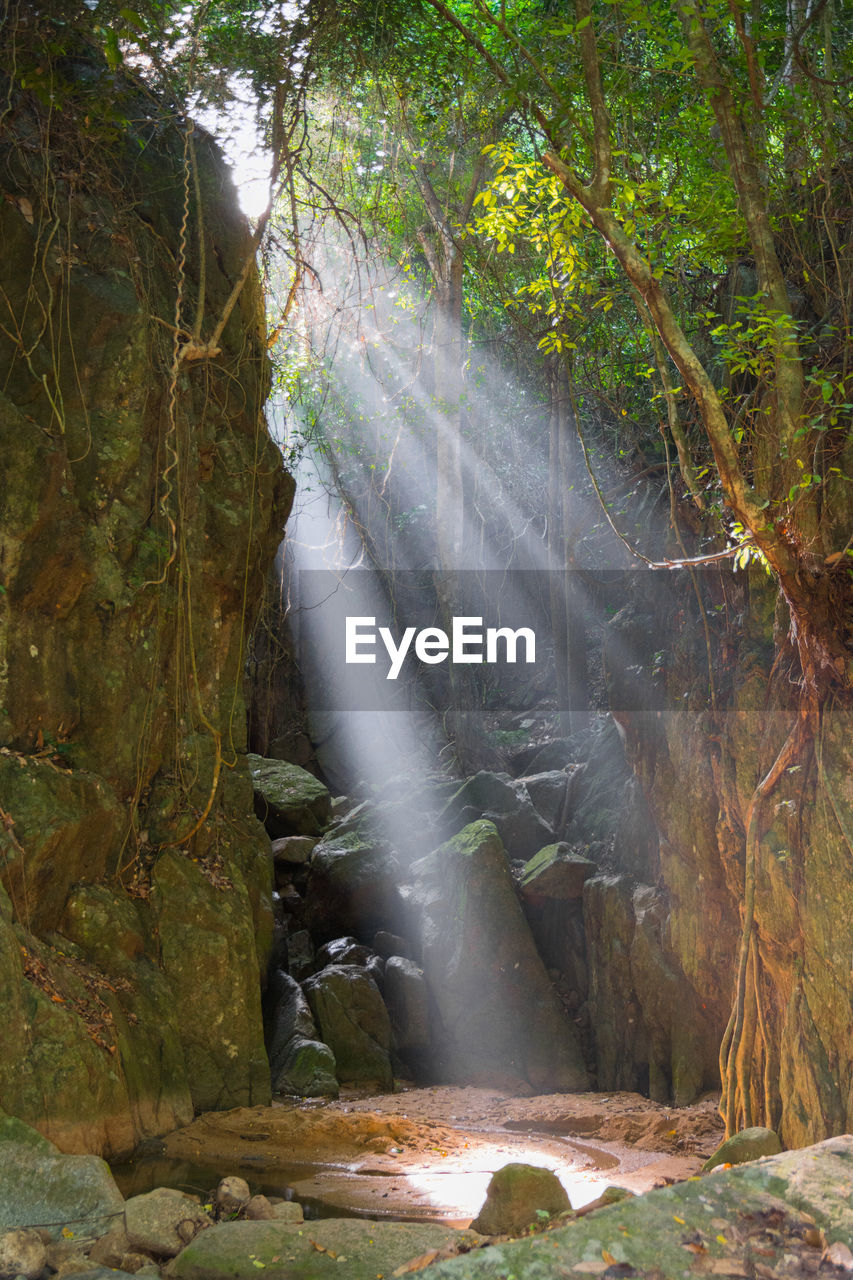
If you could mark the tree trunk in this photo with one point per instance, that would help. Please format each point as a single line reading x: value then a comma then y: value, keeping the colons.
x: 449, y: 489
x: 567, y: 624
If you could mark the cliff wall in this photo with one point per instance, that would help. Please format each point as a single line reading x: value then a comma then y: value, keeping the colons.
x: 141, y: 505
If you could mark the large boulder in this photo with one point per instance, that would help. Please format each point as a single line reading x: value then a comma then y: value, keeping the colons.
x: 496, y: 797
x: 549, y: 793
x: 307, y: 1069
x: 353, y: 1022
x: 42, y: 1188
x: 352, y: 887
x: 518, y: 1196
x: 344, y: 951
x: 300, y: 1064
x: 555, y: 872
x: 500, y: 1018
x: 407, y: 999
x: 334, y: 1248
x: 293, y: 850
x: 289, y: 800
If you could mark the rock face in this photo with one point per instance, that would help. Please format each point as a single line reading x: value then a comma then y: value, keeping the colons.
x: 699, y: 772
x: 138, y: 512
x: 500, y: 1018
x: 649, y: 1029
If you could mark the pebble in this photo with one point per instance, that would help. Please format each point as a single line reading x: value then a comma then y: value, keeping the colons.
x: 232, y: 1195
x: 22, y: 1253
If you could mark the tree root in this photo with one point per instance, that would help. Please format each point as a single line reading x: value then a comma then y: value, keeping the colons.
x: 736, y: 1049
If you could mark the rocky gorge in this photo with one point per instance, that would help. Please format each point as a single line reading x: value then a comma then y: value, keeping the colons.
x: 208, y: 955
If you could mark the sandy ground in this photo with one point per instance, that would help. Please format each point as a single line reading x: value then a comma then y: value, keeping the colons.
x: 428, y: 1153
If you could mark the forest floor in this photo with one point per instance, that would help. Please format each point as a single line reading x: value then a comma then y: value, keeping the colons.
x: 427, y: 1154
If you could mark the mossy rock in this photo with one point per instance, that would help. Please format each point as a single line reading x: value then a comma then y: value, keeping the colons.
x: 67, y: 825
x: 556, y: 872
x: 337, y: 1248
x: 307, y: 1070
x: 354, y: 1023
x: 289, y: 800
x: 40, y: 1187
x: 519, y: 1196
x: 499, y: 1018
x: 749, y: 1144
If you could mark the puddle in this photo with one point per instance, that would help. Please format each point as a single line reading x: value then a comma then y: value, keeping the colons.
x: 135, y: 1177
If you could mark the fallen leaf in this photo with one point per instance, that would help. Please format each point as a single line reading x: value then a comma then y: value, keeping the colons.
x: 608, y: 1257
x: 26, y: 209
x: 417, y: 1264
x: 591, y: 1268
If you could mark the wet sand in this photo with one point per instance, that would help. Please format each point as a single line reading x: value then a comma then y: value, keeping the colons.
x: 427, y: 1154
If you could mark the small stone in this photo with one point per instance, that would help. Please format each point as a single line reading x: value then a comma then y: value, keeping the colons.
x: 288, y: 1211
x: 75, y: 1264
x: 162, y: 1222
x: 259, y: 1209
x: 135, y: 1262
x: 232, y: 1195
x: 22, y: 1253
x: 57, y: 1252
x: 294, y: 849
x: 109, y: 1250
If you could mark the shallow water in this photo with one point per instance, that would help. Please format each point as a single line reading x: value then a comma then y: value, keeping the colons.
x: 136, y: 1176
